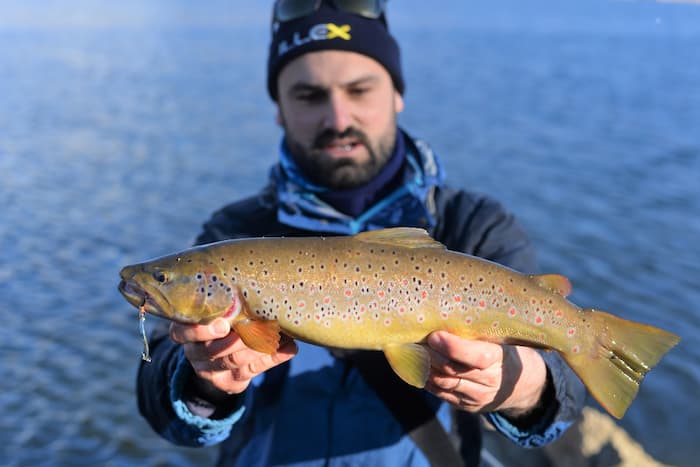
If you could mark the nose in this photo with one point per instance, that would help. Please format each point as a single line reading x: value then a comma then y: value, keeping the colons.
x: 338, y: 114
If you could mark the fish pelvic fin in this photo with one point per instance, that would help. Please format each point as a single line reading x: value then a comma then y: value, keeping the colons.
x: 407, y: 237
x: 625, y: 352
x: 410, y: 361
x: 260, y: 335
x: 555, y: 283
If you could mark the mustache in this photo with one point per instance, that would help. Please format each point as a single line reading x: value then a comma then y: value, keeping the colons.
x: 329, y: 135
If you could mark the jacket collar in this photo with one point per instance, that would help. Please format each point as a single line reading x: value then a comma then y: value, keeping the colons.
x: 409, y: 205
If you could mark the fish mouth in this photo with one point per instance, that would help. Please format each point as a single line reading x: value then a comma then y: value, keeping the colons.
x: 140, y: 298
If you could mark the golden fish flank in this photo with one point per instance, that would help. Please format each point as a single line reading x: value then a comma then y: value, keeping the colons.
x: 388, y: 290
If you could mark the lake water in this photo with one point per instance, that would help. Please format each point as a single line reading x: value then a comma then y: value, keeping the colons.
x: 123, y: 126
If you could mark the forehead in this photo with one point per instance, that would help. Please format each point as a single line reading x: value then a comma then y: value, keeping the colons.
x: 328, y: 68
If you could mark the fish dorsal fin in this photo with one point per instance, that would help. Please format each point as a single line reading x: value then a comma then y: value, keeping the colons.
x: 408, y: 237
x: 554, y: 282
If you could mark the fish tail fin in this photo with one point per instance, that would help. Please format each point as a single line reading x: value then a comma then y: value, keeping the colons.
x: 622, y: 355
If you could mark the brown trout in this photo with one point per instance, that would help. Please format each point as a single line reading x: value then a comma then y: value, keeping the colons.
x: 388, y: 290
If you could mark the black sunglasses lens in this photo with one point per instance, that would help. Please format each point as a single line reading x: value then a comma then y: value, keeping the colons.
x: 288, y: 10
x: 367, y: 8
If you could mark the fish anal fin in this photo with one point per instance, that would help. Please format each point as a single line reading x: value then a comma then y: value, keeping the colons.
x: 260, y: 335
x: 410, y: 361
x: 407, y: 237
x: 555, y: 283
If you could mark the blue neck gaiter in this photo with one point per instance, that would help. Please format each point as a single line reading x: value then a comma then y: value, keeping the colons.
x: 398, y: 196
x: 355, y: 201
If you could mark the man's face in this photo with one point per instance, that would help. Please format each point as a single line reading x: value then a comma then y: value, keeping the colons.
x: 338, y: 110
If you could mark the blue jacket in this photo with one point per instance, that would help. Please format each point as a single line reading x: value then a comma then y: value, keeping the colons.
x: 318, y: 410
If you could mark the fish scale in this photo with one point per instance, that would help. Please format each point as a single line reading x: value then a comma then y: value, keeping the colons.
x: 388, y: 290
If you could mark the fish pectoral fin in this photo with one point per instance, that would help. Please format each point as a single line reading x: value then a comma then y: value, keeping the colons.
x: 410, y: 361
x: 260, y: 335
x: 408, y: 237
x: 554, y: 283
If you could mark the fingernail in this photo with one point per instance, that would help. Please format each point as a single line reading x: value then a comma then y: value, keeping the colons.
x: 436, y: 341
x: 220, y: 327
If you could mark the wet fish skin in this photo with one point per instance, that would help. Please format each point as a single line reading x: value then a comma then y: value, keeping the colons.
x: 388, y: 290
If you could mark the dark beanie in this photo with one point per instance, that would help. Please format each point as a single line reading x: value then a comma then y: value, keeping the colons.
x: 331, y: 29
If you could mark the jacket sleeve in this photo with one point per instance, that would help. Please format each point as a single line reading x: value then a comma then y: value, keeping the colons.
x: 480, y: 226
x: 161, y: 397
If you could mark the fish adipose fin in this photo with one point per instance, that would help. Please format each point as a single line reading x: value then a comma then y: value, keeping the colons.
x: 407, y: 237
x: 555, y: 283
x: 260, y: 335
x: 626, y: 351
x: 410, y: 361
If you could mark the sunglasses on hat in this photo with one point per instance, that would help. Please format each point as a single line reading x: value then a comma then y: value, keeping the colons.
x: 289, y: 10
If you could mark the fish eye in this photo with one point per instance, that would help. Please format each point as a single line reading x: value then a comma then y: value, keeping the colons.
x: 160, y: 276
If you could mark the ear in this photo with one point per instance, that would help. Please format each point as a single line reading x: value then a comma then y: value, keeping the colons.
x: 398, y: 102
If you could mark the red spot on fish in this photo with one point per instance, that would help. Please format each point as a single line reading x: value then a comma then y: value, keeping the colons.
x: 571, y: 332
x: 327, y: 300
x: 405, y: 282
x: 539, y: 320
x: 495, y: 324
x: 575, y: 349
x: 424, y: 295
x: 444, y: 315
x: 458, y: 298
x: 348, y: 292
x: 512, y: 311
x: 301, y: 304
x: 420, y: 318
x: 402, y: 310
x: 381, y: 294
x: 468, y: 320
x: 482, y: 304
x: 387, y: 322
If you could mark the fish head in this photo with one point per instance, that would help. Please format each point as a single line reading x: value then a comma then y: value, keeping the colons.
x: 184, y: 287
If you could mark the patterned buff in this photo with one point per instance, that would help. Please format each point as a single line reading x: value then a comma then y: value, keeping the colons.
x: 301, y: 202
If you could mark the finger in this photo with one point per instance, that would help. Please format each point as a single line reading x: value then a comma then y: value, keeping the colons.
x: 462, y: 393
x: 463, y: 401
x: 183, y: 333
x: 249, y: 364
x: 441, y: 364
x: 469, y: 353
x: 213, y: 349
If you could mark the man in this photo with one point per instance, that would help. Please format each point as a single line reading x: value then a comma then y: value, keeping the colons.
x: 334, y: 73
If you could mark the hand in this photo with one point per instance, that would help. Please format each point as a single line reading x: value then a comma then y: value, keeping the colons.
x: 219, y: 357
x: 477, y: 376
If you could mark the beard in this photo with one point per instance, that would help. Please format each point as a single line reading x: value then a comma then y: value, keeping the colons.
x: 345, y: 172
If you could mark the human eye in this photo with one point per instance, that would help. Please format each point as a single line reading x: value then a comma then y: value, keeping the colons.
x: 359, y: 91
x: 310, y: 96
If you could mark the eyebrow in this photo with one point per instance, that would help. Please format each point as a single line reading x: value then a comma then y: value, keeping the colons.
x: 302, y: 86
